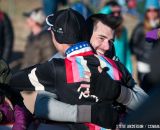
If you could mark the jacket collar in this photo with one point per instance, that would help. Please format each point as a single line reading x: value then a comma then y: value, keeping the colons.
x: 79, y: 49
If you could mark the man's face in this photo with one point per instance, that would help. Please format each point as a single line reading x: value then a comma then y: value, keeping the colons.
x: 101, y: 38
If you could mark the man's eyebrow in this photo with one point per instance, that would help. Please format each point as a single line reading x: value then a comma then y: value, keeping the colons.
x: 103, y: 36
x: 100, y: 35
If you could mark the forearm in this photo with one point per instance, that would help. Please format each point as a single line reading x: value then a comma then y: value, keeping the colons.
x: 20, y: 81
x: 55, y: 110
x: 27, y: 80
x: 132, y: 98
x: 102, y: 114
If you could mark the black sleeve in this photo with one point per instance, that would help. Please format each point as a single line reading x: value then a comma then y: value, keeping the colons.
x: 137, y: 38
x: 38, y: 77
x: 127, y: 79
x: 9, y: 37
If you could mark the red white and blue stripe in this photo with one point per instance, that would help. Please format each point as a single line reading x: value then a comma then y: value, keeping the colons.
x: 113, y: 71
x: 76, y: 65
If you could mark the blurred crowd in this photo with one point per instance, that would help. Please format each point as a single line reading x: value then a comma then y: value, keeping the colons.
x: 139, y: 53
x: 127, y: 48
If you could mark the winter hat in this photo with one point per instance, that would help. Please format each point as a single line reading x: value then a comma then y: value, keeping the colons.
x: 67, y: 26
x: 152, y: 4
x: 106, y: 10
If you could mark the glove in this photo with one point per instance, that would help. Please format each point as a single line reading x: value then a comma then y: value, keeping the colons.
x: 5, y: 73
x: 152, y: 35
x: 104, y: 87
x: 104, y: 115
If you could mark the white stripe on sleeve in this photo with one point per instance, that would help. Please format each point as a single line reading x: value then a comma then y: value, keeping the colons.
x: 34, y: 80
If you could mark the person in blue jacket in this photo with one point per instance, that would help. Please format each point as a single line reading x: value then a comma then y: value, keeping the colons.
x: 80, y: 7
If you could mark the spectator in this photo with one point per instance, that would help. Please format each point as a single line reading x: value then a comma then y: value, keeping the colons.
x: 150, y: 78
x: 51, y: 6
x: 148, y: 113
x: 81, y: 7
x: 39, y: 47
x: 132, y: 7
x: 139, y: 47
x: 11, y: 110
x: 6, y: 35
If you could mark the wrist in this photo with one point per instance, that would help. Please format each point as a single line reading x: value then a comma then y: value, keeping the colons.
x: 124, y: 95
x: 83, y: 113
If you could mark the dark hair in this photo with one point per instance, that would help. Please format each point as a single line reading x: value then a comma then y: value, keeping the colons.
x: 111, y: 21
x: 112, y: 3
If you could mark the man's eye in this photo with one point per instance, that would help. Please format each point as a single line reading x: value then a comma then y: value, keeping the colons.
x: 101, y: 38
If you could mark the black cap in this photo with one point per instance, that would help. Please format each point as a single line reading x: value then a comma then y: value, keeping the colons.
x: 67, y: 26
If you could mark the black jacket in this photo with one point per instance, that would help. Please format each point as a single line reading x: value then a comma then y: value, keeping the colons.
x: 52, y: 76
x: 138, y: 44
x: 64, y: 76
x: 39, y: 48
x: 6, y: 36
